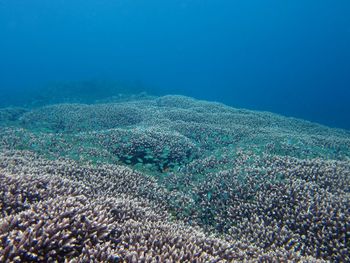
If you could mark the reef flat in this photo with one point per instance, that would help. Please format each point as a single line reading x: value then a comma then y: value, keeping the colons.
x: 170, y: 179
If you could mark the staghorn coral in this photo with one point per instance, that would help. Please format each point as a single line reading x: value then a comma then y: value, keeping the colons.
x: 68, y: 221
x: 167, y: 173
x: 80, y: 117
x: 10, y: 115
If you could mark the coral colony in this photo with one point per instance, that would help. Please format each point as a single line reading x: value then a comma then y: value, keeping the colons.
x: 170, y: 179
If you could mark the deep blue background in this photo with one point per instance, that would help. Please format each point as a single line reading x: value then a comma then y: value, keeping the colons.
x: 290, y: 57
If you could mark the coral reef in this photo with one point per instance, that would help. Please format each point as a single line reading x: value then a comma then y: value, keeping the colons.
x: 171, y: 179
x: 9, y: 115
x: 46, y: 217
x: 80, y: 117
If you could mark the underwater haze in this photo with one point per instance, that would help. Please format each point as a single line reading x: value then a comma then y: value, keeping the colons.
x: 168, y: 131
x: 287, y: 57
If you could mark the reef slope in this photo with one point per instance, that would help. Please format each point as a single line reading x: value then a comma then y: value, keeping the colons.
x: 167, y: 179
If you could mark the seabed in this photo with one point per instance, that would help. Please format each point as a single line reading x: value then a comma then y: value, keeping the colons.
x: 170, y: 179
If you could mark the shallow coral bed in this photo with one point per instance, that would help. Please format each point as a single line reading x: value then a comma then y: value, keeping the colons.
x: 170, y: 179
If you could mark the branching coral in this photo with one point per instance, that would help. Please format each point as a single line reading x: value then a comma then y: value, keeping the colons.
x: 152, y: 179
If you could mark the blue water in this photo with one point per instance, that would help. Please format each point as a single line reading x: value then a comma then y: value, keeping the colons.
x: 289, y: 57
